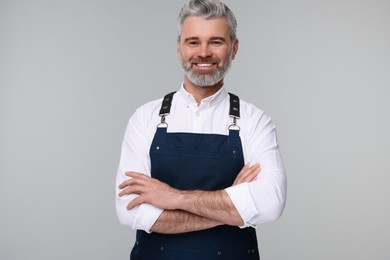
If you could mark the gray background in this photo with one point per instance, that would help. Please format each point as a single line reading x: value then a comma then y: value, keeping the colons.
x: 72, y: 73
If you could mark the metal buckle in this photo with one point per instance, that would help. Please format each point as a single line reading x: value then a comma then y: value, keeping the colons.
x: 234, y: 125
x: 163, y: 123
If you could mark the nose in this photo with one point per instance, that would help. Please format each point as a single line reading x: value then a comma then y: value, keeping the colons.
x: 204, y: 51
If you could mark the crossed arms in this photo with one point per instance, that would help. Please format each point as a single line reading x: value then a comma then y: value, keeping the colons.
x: 185, y: 211
x: 156, y: 207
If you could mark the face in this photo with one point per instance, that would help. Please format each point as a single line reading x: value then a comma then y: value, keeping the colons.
x: 206, y: 50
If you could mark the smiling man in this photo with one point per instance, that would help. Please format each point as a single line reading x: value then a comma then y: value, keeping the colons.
x: 189, y: 178
x: 206, y: 56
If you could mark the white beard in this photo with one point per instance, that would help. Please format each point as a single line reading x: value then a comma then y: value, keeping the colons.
x: 206, y: 80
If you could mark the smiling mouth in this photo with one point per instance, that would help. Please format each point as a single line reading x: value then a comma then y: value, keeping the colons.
x: 204, y: 64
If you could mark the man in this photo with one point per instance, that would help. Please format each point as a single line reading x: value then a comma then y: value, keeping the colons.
x: 189, y: 175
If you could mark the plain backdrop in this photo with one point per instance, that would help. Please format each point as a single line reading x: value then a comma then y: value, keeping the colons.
x: 73, y: 72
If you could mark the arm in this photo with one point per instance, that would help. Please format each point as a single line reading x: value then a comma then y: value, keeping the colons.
x: 261, y: 200
x: 214, y: 205
x: 179, y: 221
x: 135, y: 157
x: 217, y: 205
x: 143, y: 215
x: 208, y: 207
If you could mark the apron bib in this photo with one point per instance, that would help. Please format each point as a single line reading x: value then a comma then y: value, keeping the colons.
x: 189, y: 161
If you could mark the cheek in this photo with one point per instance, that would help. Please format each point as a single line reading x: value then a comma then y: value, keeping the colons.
x: 182, y: 56
x: 223, y: 59
x: 185, y: 56
x: 223, y: 54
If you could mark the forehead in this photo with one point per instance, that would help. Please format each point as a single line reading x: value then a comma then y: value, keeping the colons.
x: 201, y: 27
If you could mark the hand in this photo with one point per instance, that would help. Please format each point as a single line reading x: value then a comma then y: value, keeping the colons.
x: 150, y: 191
x: 247, y: 174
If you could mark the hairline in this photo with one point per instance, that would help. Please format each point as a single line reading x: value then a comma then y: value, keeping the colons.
x: 207, y: 17
x: 208, y: 9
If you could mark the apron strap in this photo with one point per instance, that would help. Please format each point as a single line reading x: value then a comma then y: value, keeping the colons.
x: 166, y: 108
x: 234, y: 106
x: 234, y: 110
x: 166, y: 104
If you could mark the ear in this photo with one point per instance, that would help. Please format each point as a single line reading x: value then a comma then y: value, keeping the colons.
x: 178, y: 51
x: 235, y: 48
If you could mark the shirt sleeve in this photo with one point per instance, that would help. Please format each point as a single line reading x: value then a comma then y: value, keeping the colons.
x: 135, y: 157
x: 263, y: 199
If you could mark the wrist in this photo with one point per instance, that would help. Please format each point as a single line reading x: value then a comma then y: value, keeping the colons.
x: 186, y: 200
x: 180, y: 200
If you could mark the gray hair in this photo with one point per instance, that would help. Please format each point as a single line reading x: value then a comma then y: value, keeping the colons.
x: 208, y: 9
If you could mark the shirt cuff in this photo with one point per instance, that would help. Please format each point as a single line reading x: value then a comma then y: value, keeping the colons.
x: 243, y: 201
x: 146, y: 217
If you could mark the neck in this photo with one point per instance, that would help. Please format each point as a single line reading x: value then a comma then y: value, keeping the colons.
x: 199, y: 92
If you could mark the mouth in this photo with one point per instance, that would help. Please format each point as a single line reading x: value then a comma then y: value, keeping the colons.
x: 205, y: 66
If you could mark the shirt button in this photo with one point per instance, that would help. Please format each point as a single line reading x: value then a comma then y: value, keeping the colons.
x: 162, y: 248
x: 197, y: 113
x: 219, y: 253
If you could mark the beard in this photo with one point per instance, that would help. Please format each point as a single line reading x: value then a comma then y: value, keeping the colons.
x: 206, y: 79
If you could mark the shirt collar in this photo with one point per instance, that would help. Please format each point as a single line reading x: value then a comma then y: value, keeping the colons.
x: 209, y: 101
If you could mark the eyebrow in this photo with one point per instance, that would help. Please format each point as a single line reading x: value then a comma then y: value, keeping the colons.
x: 191, y: 39
x: 197, y: 38
x: 218, y: 38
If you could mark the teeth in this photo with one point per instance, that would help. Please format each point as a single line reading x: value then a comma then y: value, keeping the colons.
x: 205, y: 65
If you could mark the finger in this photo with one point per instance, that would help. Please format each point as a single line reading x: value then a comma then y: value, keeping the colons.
x: 135, y: 202
x: 241, y: 173
x: 129, y: 182
x: 136, y: 175
x: 127, y: 191
x: 247, y: 174
x: 252, y: 173
x: 126, y: 184
x: 134, y: 181
x: 134, y: 189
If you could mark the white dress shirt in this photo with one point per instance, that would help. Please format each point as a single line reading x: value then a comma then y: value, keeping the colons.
x: 258, y: 201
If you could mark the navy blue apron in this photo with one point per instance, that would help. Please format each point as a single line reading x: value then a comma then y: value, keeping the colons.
x: 188, y: 161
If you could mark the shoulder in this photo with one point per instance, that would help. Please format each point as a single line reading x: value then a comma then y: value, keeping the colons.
x: 254, y: 118
x: 249, y: 110
x: 146, y: 114
x: 149, y: 107
x: 150, y: 111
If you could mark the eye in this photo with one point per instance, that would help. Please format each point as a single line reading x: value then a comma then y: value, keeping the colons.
x: 216, y: 43
x: 192, y: 43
